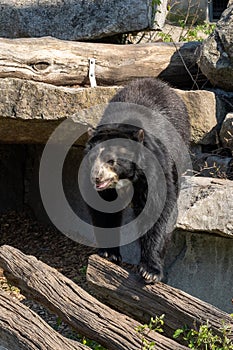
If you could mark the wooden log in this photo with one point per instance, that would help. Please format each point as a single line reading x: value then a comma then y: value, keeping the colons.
x: 75, y: 306
x: 122, y: 289
x: 60, y: 62
x: 23, y: 329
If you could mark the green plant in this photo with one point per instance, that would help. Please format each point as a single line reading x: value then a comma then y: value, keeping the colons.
x: 189, y: 21
x: 189, y: 33
x: 143, y: 331
x: 204, y: 338
x: 92, y: 344
x: 58, y: 324
x: 196, y: 33
x: 83, y: 270
x: 166, y: 37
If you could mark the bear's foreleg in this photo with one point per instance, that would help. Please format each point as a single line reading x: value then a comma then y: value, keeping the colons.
x: 102, y: 224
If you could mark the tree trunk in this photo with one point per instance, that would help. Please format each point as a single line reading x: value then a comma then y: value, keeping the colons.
x: 60, y: 62
x: 75, y: 306
x: 122, y: 289
x: 23, y: 329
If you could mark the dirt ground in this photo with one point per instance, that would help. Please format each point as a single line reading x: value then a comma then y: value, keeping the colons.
x: 22, y: 231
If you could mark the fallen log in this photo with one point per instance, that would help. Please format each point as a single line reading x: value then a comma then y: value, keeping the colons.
x: 60, y: 62
x: 23, y: 329
x: 75, y: 306
x: 124, y: 291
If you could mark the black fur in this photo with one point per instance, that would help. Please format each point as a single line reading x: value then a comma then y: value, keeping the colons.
x: 164, y: 103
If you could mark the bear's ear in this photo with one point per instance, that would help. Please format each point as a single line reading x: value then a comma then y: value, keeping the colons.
x: 90, y: 132
x: 140, y: 135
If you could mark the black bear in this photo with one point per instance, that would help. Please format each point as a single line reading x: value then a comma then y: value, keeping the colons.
x: 153, y: 119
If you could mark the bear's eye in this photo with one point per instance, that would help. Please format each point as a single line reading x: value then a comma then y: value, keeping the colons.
x: 111, y: 162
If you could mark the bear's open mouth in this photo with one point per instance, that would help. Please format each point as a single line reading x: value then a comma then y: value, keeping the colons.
x: 103, y: 185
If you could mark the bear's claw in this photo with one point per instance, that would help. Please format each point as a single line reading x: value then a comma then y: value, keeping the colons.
x: 110, y: 255
x: 150, y: 275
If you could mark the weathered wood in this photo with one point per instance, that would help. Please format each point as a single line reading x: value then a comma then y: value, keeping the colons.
x: 23, y: 329
x: 75, y: 306
x: 67, y: 63
x: 122, y: 289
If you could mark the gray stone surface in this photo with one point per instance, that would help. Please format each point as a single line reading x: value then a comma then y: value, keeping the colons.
x: 226, y: 132
x: 75, y: 20
x: 30, y: 111
x: 206, y: 205
x: 201, y: 264
x: 216, y: 59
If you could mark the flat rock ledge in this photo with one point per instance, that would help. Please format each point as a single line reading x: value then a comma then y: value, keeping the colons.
x: 30, y: 111
x: 206, y: 205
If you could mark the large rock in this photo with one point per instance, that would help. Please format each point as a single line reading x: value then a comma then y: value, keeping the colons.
x: 203, y: 119
x: 206, y: 205
x: 29, y: 111
x: 216, y: 59
x: 201, y: 264
x: 77, y: 20
x: 226, y: 132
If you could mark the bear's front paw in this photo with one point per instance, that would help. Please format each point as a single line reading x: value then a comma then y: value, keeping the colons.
x: 112, y: 254
x: 150, y: 274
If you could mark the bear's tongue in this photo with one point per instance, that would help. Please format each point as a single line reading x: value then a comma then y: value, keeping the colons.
x: 102, y: 185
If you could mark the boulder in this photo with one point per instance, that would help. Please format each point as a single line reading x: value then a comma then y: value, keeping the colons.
x: 203, y: 120
x: 206, y: 205
x: 200, y: 257
x: 226, y: 132
x: 201, y: 265
x: 30, y: 111
x: 78, y: 20
x: 216, y: 58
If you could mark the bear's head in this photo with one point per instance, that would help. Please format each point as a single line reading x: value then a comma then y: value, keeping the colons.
x: 112, y: 165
